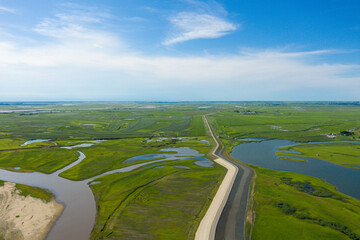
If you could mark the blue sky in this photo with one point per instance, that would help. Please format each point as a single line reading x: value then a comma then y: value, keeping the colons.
x: 179, y: 50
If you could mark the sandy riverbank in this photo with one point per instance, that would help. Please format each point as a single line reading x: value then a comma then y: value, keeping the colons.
x: 25, y: 217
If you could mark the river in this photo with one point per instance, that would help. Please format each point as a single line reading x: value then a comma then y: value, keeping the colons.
x: 78, y: 217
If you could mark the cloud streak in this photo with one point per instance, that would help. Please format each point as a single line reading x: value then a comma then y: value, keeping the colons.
x: 204, y: 21
x: 5, y: 9
x: 191, y: 26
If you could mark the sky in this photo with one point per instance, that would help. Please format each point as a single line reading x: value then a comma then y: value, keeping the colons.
x: 180, y: 50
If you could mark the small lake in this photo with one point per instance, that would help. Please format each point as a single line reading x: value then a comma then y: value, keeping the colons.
x: 34, y: 141
x: 262, y: 154
x: 78, y: 217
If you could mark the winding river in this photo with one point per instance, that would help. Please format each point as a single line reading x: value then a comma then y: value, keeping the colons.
x: 262, y: 154
x: 78, y: 217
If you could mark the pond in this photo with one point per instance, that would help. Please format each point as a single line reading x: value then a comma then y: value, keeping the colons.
x: 34, y: 141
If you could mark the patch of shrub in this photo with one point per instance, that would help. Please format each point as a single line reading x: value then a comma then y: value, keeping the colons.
x: 290, y: 210
x: 286, y: 208
x: 308, y: 188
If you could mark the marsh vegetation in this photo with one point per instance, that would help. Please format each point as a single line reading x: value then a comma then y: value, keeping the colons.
x: 169, y: 198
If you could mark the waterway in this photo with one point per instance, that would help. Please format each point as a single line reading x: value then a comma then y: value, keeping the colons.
x: 262, y: 154
x: 78, y: 217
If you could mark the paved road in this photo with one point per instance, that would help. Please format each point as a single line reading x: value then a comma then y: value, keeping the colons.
x: 207, y: 226
x: 231, y: 225
x: 228, y: 215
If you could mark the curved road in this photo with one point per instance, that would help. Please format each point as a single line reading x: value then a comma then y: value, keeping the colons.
x: 229, y: 222
x: 231, y: 225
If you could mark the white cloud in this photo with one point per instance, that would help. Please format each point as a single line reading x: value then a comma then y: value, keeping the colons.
x: 191, y: 26
x: 79, y: 61
x: 5, y: 9
x: 74, y: 32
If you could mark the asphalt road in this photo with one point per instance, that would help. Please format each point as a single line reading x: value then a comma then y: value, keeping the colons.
x: 231, y: 225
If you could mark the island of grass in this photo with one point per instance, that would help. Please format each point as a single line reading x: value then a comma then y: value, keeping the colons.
x: 42, y: 159
x: 295, y: 206
x: 291, y: 159
x: 346, y: 154
x: 111, y: 154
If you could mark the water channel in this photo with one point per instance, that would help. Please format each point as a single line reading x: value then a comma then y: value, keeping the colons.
x: 78, y: 217
x: 262, y: 154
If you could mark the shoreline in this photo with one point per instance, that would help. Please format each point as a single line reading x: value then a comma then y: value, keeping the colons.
x: 59, y: 208
x: 26, y: 217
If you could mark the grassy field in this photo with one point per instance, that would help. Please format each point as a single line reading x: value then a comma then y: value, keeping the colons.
x: 197, y: 127
x: 111, y: 154
x: 295, y: 206
x: 163, y: 202
x: 98, y: 120
x: 297, y: 122
x: 343, y: 153
x: 46, y: 160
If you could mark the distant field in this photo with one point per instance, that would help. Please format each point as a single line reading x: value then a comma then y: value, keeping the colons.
x: 84, y: 121
x: 294, y: 206
x: 303, y: 124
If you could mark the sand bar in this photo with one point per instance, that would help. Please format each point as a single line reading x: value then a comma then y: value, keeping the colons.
x: 27, y: 217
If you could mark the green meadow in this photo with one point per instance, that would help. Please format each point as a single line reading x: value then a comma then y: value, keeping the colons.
x: 155, y: 202
x: 285, y: 208
x: 43, y: 159
x: 296, y: 122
